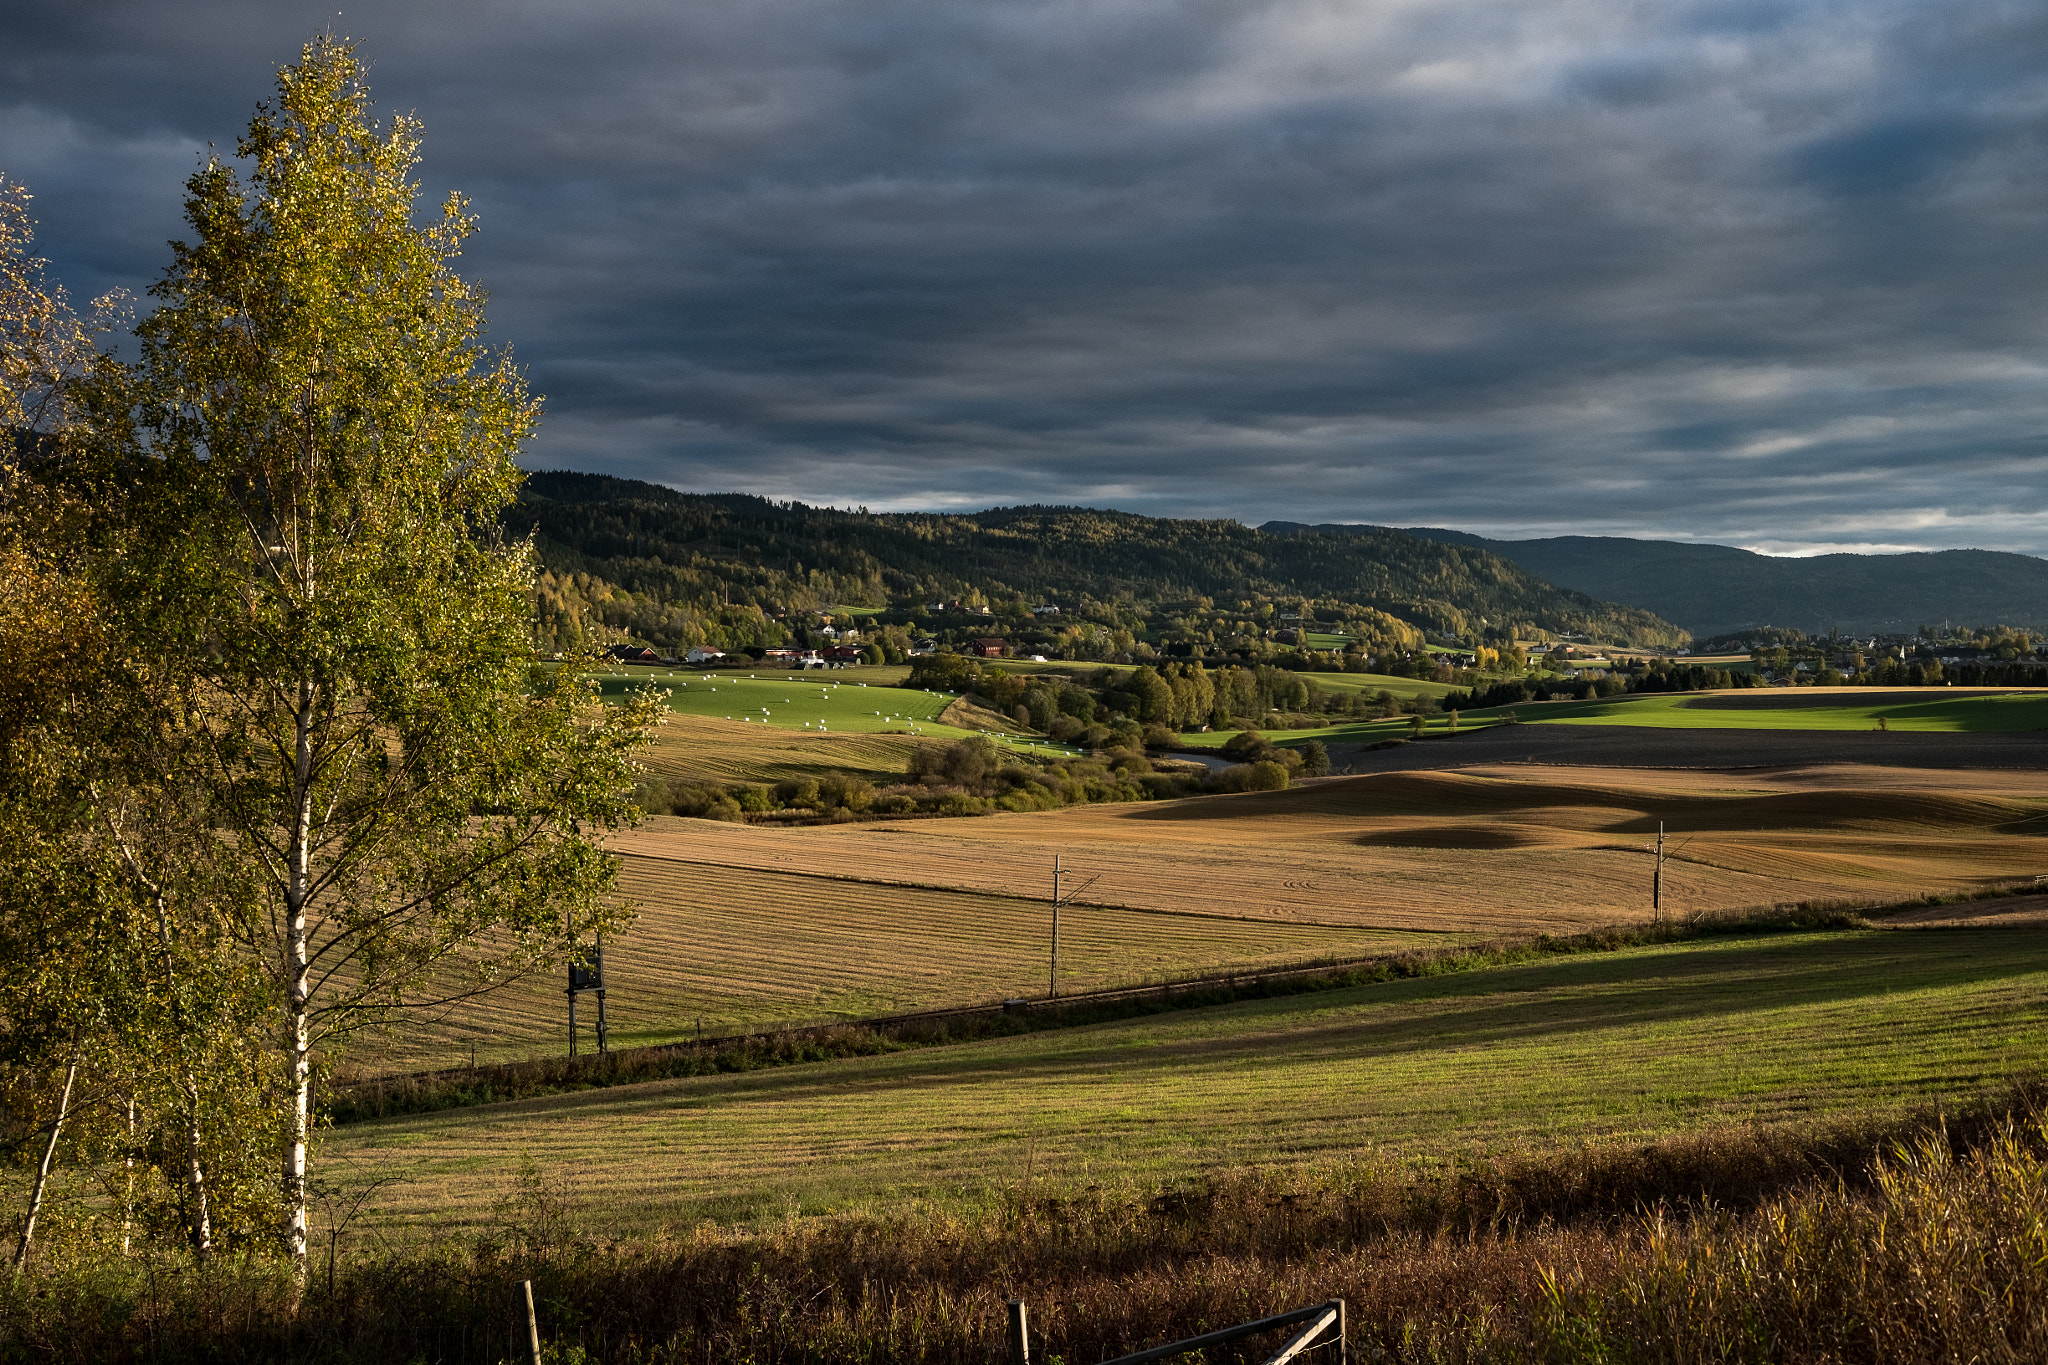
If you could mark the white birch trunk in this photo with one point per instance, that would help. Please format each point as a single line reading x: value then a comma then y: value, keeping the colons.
x: 35, y: 1198
x: 128, y: 1193
x: 195, y: 1173
x: 298, y: 1119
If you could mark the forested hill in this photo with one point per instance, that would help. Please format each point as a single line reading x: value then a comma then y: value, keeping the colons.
x: 1711, y: 589
x: 721, y: 553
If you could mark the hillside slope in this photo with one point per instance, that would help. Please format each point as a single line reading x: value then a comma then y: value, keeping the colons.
x: 1709, y: 589
x: 698, y: 552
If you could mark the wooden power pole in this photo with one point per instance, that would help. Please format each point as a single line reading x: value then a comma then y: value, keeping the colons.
x: 1052, y: 979
x: 1657, y: 879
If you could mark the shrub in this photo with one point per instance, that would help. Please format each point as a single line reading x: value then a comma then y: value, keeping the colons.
x: 798, y: 792
x: 1262, y: 776
x: 841, y: 792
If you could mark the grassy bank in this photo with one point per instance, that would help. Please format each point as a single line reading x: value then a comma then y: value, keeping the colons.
x: 1916, y: 1237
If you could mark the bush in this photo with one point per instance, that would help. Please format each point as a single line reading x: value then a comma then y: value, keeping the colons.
x: 1262, y: 776
x: 943, y: 673
x: 800, y: 793
x: 706, y: 803
x: 841, y: 792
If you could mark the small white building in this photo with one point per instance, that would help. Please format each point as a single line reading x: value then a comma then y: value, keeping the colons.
x: 700, y: 655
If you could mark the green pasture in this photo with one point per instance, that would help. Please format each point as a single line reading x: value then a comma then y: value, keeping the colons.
x: 1798, y: 709
x: 1601, y: 1048
x: 1403, y: 688
x: 859, y: 701
x: 1925, y: 709
x: 1328, y: 682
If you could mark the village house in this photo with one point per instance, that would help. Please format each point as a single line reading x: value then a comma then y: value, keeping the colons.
x: 700, y: 654
x: 988, y: 647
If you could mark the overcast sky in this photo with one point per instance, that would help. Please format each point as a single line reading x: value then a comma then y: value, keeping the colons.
x: 1767, y: 273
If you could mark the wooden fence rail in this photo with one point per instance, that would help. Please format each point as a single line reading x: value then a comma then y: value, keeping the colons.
x: 1317, y: 1317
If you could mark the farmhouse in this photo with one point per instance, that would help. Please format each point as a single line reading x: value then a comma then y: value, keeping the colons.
x: 632, y: 654
x: 988, y: 647
x: 699, y: 654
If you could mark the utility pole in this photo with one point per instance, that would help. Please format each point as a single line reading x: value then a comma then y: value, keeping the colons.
x: 1059, y: 897
x: 603, y: 1033
x: 1052, y: 980
x: 1657, y: 879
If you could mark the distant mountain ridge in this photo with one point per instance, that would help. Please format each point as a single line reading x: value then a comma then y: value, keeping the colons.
x: 698, y: 552
x: 1715, y: 589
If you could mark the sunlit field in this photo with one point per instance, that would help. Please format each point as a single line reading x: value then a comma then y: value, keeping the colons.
x: 1605, y: 1048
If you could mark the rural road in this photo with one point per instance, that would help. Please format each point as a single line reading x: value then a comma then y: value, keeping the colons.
x: 1642, y: 746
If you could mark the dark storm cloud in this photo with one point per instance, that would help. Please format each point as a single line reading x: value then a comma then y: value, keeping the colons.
x: 1764, y: 273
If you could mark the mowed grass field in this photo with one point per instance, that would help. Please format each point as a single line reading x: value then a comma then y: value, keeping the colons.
x: 729, y: 726
x: 1805, y: 708
x: 1788, y: 708
x: 1611, y: 1047
x: 694, y: 749
x: 733, y: 949
x: 821, y: 701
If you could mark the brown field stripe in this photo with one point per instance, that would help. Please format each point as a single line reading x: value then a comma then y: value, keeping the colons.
x: 1029, y: 900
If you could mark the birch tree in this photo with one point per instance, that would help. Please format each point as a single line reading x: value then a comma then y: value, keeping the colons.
x: 398, y: 805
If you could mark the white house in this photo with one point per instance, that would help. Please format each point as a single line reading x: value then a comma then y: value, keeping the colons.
x: 700, y: 655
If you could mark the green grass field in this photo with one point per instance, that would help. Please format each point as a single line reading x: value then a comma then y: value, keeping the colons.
x: 1611, y: 1047
x: 848, y: 701
x: 851, y: 701
x: 1800, y: 709
x: 1924, y: 709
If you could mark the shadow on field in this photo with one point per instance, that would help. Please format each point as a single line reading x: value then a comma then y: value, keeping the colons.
x: 1641, y: 746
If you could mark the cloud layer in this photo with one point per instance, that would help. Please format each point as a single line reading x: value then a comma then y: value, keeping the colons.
x: 1770, y: 274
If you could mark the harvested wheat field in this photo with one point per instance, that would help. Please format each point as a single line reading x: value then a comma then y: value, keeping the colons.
x: 733, y: 949
x: 2014, y: 912
x: 1478, y: 850
x: 750, y: 926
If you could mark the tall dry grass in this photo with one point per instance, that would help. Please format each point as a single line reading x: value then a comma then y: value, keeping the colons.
x: 1926, y: 1240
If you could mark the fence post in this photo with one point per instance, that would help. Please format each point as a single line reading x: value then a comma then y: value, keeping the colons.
x: 1020, y: 1344
x: 532, y: 1325
x: 1343, y: 1336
